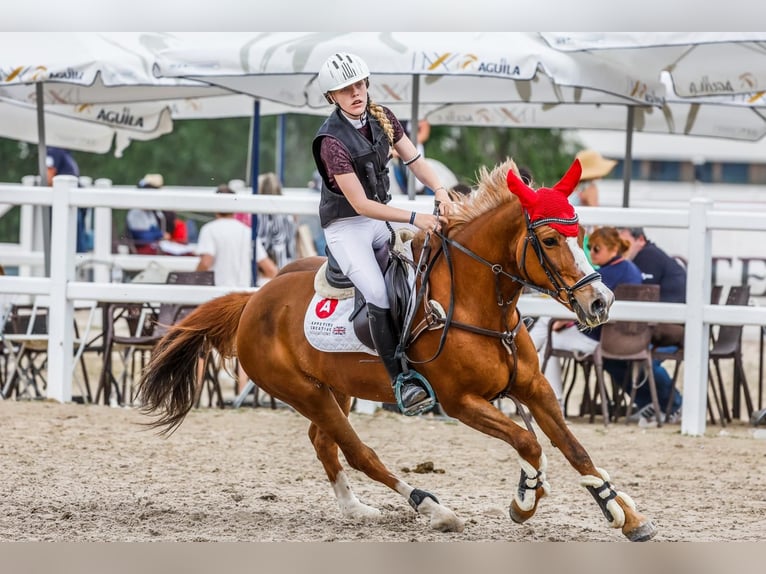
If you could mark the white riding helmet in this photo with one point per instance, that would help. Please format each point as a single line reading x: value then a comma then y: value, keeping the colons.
x: 341, y: 70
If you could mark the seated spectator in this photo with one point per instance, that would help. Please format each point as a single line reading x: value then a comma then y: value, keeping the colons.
x: 607, y: 251
x: 146, y: 227
x: 658, y: 268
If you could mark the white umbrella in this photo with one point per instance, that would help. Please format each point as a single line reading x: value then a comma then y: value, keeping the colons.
x: 95, y: 128
x: 423, y: 68
x: 282, y: 66
x: 699, y: 63
x: 677, y: 118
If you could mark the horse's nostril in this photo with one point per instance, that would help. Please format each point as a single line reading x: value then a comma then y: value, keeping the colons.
x: 598, y: 307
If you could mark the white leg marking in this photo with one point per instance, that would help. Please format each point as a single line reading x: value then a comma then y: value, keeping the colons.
x: 350, y: 505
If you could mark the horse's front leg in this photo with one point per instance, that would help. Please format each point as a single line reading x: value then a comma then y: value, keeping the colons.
x: 618, y: 508
x: 478, y: 413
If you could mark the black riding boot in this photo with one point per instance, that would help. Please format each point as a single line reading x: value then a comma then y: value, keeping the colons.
x: 382, y: 331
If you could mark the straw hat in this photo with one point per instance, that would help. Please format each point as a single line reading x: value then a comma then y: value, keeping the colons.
x: 152, y: 181
x: 594, y: 165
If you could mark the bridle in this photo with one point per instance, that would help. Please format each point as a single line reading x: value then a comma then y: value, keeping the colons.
x: 434, y: 319
x: 553, y: 274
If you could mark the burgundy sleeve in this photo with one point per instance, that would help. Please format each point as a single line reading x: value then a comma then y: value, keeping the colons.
x: 336, y: 159
x: 398, y: 129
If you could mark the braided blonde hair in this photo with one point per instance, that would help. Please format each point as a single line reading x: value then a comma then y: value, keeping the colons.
x: 379, y: 114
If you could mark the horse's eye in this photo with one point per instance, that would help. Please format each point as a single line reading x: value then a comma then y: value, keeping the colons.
x: 550, y: 242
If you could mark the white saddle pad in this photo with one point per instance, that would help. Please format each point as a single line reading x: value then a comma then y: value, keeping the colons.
x: 327, y: 327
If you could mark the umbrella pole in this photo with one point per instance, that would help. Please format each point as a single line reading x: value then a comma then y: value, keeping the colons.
x: 413, y: 131
x: 255, y: 138
x: 280, y: 160
x: 627, y: 171
x: 42, y: 154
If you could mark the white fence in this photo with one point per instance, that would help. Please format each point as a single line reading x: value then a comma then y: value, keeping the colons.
x: 699, y: 221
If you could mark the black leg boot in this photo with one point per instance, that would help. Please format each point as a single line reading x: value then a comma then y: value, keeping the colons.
x: 382, y: 331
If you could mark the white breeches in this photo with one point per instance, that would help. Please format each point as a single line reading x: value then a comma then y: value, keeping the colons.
x: 360, y: 246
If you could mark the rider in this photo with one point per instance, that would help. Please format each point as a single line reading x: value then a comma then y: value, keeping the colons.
x: 351, y: 151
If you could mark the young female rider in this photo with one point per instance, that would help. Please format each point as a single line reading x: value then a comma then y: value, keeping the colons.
x: 351, y: 151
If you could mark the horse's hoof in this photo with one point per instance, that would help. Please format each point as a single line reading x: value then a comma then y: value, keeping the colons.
x: 643, y: 533
x: 519, y: 516
x: 447, y: 524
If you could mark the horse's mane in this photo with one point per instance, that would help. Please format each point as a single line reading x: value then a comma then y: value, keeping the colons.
x: 490, y: 193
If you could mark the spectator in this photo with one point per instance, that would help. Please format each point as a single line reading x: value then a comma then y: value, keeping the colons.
x: 277, y: 231
x: 60, y: 162
x: 225, y: 247
x: 147, y: 227
x: 400, y: 170
x: 594, y: 167
x: 658, y: 268
x: 607, y: 251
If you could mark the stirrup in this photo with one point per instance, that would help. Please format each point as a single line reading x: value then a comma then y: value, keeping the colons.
x: 420, y: 380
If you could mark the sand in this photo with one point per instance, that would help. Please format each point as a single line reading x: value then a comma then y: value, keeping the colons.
x: 93, y: 473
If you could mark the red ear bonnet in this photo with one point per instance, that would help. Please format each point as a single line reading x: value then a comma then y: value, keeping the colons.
x: 550, y: 206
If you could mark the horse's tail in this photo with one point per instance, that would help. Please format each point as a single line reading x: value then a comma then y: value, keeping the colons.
x: 168, y: 385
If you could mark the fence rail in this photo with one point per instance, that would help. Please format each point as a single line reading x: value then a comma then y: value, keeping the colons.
x: 699, y: 221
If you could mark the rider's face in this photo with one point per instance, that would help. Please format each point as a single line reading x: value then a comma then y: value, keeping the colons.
x: 352, y: 99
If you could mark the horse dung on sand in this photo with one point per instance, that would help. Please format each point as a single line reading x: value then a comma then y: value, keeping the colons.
x: 467, y: 339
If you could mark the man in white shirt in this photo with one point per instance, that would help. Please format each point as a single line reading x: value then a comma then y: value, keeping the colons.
x: 224, y: 246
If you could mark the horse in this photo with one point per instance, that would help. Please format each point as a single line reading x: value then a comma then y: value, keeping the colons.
x: 474, y: 352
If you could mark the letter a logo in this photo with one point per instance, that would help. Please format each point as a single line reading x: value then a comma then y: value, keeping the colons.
x: 325, y: 308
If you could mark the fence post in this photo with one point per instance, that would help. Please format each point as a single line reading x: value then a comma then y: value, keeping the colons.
x: 31, y: 230
x: 102, y: 236
x: 61, y: 311
x: 696, y: 338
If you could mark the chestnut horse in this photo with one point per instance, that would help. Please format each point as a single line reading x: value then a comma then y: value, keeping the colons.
x: 475, y: 352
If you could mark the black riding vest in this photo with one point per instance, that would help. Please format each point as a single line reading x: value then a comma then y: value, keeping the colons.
x: 369, y: 160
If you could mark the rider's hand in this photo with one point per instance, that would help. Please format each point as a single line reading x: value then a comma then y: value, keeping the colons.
x: 429, y: 222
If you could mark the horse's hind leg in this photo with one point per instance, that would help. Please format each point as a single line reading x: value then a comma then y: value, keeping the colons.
x: 330, y: 430
x: 618, y: 508
x: 327, y: 453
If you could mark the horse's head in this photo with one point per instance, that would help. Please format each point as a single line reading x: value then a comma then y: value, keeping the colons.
x: 551, y: 256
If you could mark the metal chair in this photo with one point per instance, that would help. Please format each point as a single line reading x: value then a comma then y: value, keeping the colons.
x: 630, y: 341
x: 134, y: 329
x: 677, y: 356
x: 728, y: 345
x: 25, y: 347
x: 572, y: 361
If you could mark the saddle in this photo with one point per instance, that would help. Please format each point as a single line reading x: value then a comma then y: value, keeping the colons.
x: 396, y: 275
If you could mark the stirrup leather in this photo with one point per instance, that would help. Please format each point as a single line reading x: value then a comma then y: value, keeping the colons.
x: 420, y: 380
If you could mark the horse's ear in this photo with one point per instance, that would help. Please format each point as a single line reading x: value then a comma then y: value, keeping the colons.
x: 521, y: 190
x: 568, y: 183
